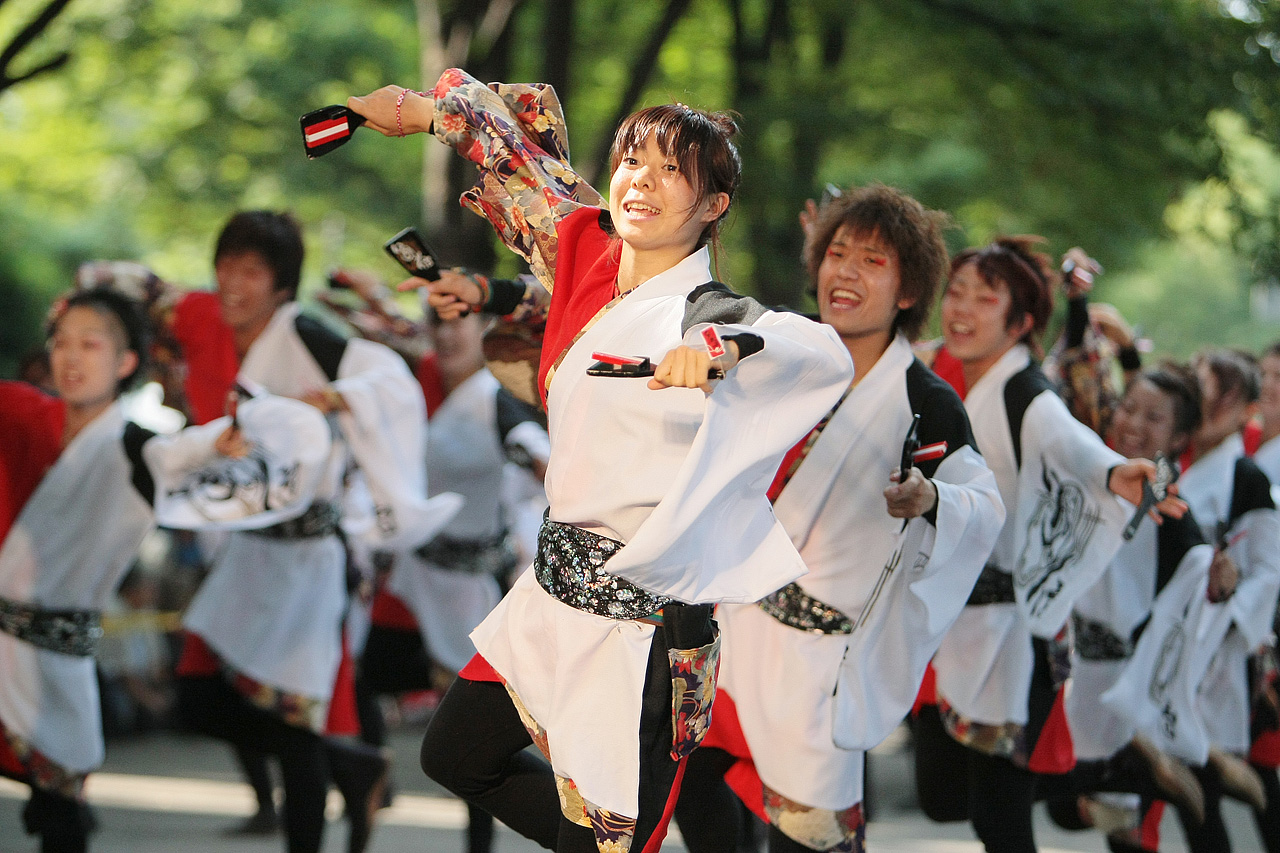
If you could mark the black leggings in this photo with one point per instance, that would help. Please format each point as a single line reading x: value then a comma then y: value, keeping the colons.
x: 1210, y: 836
x: 211, y: 706
x: 1269, y: 821
x: 475, y: 746
x: 396, y: 661
x: 708, y: 812
x: 62, y: 823
x: 955, y: 783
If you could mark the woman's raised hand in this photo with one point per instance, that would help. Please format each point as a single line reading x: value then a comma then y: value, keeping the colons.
x: 394, y: 110
x: 453, y: 295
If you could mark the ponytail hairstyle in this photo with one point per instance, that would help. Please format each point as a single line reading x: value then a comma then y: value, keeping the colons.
x: 700, y: 142
x: 1026, y: 272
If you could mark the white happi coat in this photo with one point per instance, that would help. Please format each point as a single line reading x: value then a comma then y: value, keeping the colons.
x: 1158, y: 689
x: 1154, y: 692
x: 1246, y: 621
x: 70, y: 545
x: 272, y: 608
x: 679, y: 476
x: 1062, y: 528
x: 79, y: 533
x: 810, y: 704
x: 465, y: 455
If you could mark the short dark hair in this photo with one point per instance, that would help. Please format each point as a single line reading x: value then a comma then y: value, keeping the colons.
x: 1026, y: 272
x: 898, y: 220
x: 277, y: 237
x: 1180, y: 384
x: 127, y: 316
x: 1236, y: 373
x: 700, y: 142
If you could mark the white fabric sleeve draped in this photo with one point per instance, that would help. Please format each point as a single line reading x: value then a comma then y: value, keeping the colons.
x: 888, y: 655
x: 199, y: 489
x: 764, y: 405
x: 385, y: 427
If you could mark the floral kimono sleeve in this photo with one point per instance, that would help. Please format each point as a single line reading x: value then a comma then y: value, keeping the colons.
x: 516, y: 135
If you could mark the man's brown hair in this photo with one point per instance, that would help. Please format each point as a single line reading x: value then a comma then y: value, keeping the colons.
x: 900, y: 222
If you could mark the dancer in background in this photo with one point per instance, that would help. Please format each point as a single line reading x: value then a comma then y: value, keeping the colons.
x: 1162, y: 568
x: 822, y: 670
x: 999, y: 719
x: 437, y: 594
x: 265, y: 629
x: 1231, y: 498
x: 75, y: 503
x: 1264, y: 756
x: 656, y: 484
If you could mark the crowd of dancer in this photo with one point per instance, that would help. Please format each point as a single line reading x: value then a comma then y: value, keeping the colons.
x: 769, y: 538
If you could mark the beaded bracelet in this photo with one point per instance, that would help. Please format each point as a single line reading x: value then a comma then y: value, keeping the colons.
x: 399, y: 104
x: 481, y: 282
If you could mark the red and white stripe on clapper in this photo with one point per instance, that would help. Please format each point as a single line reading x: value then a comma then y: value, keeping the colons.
x: 327, y: 131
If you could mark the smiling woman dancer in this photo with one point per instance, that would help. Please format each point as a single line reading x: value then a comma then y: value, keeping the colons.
x: 662, y: 479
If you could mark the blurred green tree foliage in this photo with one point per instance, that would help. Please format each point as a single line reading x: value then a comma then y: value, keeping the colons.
x: 1093, y: 122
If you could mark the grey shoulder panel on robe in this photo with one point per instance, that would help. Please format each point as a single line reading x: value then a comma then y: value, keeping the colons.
x: 713, y: 302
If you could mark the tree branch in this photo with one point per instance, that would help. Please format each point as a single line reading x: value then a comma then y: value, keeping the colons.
x: 29, y: 33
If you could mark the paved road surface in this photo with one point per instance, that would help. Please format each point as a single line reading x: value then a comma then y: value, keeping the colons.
x: 168, y: 793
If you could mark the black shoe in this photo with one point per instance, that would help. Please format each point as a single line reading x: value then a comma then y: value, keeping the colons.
x: 361, y: 773
x: 262, y: 823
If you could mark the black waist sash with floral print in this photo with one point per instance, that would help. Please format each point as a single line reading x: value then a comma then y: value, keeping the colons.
x: 496, y: 556
x: 71, y: 632
x: 570, y: 566
x: 1096, y: 641
x: 993, y: 587
x: 792, y: 606
x: 320, y: 519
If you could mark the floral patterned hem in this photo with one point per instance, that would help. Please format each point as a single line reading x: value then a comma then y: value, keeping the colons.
x: 1005, y: 740
x: 693, y: 690
x: 305, y: 712
x: 43, y: 772
x: 843, y: 831
x: 614, y: 832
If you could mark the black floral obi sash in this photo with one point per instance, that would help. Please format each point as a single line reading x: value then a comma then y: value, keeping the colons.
x: 993, y: 587
x: 71, y: 632
x: 792, y: 606
x: 570, y: 566
x: 496, y: 556
x: 1096, y: 641
x: 320, y: 519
